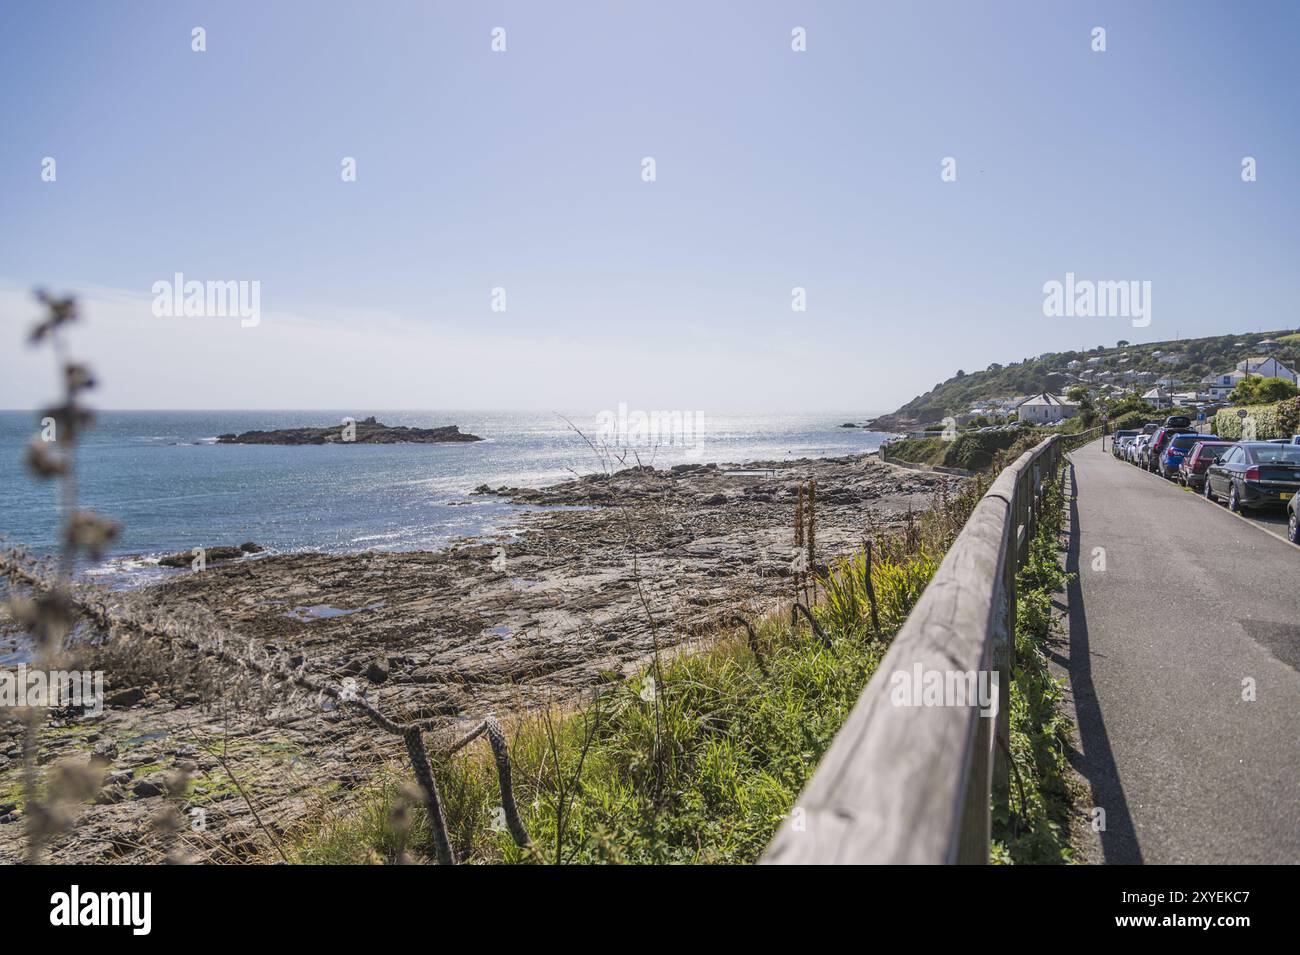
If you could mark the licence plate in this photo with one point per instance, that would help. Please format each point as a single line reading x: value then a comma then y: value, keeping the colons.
x: 1286, y: 495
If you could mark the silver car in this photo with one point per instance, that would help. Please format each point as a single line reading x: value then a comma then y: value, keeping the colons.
x: 1135, y: 449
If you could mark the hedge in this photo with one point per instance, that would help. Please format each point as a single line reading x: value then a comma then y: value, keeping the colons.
x: 1279, y: 420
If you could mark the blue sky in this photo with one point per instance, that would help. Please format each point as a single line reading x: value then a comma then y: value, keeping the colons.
x: 522, y: 170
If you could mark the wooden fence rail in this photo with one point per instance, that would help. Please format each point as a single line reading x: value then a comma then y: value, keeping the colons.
x: 908, y: 783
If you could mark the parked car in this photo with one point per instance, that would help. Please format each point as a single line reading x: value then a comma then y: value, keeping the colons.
x: 1175, y: 450
x: 1121, y: 447
x: 1120, y: 436
x: 1134, y: 454
x: 1191, y: 473
x: 1293, y: 519
x: 1159, y: 441
x: 1255, y: 474
x: 1178, y: 421
x: 1129, y: 446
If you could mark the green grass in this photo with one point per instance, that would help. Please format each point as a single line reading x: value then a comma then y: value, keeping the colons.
x: 1033, y: 826
x: 968, y: 450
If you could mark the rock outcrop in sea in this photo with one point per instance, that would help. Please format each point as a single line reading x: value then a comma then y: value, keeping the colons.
x: 368, y: 431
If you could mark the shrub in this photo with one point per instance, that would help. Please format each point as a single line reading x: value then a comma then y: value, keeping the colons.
x: 1279, y: 420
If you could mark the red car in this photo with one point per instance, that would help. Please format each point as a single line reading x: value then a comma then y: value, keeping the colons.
x: 1156, y: 447
x: 1191, y: 473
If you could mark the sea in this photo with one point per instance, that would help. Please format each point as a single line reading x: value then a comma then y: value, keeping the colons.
x: 162, y: 476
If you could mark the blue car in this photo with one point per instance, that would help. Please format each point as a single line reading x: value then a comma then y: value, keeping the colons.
x: 1172, y: 456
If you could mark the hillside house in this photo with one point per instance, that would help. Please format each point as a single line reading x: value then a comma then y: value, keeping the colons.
x: 1046, y: 408
x: 1157, y: 397
x: 1266, y: 367
x: 1220, y: 386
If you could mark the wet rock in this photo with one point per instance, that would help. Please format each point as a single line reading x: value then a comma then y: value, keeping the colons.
x: 211, y: 555
x: 105, y: 752
x: 129, y: 696
x: 150, y: 786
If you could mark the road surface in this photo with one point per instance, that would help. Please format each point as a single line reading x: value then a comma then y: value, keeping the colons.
x: 1192, y: 608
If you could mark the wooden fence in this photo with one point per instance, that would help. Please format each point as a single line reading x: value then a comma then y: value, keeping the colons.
x: 915, y: 784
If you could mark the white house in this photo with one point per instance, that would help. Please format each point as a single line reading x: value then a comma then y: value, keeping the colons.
x: 1220, y: 386
x: 1157, y: 397
x: 1266, y: 368
x: 1046, y: 409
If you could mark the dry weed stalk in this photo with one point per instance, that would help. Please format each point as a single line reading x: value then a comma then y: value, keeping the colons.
x: 49, y: 617
x: 811, y: 524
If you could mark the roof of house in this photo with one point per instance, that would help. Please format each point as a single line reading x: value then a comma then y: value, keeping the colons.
x: 1043, y: 399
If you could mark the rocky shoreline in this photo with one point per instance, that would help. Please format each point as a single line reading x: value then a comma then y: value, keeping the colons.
x: 499, y: 625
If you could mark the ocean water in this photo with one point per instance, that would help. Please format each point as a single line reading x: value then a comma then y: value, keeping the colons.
x: 161, y: 475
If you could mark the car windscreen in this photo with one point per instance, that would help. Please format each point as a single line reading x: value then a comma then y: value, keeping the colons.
x: 1182, y: 443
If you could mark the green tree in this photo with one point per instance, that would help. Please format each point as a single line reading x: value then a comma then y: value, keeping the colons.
x: 1258, y: 391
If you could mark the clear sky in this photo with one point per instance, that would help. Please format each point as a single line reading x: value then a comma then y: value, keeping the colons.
x: 523, y: 170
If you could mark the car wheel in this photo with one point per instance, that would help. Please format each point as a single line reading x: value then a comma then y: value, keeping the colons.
x: 1209, y: 494
x: 1293, y: 528
x: 1234, y: 501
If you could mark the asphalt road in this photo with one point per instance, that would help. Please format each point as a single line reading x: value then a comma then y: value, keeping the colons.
x: 1191, y: 606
